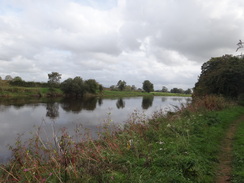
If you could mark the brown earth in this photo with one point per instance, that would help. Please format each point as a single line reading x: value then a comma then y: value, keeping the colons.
x: 225, y: 157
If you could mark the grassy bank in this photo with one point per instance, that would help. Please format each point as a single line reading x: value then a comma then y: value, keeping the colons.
x: 238, y: 151
x: 109, y: 93
x: 14, y: 91
x: 179, y: 146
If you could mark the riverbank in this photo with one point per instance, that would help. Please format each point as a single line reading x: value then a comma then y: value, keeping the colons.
x: 38, y: 92
x: 180, y: 146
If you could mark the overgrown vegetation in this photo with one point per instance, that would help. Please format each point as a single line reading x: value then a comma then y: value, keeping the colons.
x: 180, y: 146
x: 221, y: 76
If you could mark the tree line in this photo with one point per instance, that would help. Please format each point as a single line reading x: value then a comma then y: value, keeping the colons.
x: 78, y: 87
x: 147, y: 86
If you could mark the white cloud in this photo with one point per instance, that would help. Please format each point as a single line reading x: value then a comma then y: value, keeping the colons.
x: 163, y: 41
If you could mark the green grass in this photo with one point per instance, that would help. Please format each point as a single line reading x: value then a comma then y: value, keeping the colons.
x: 14, y: 91
x: 180, y: 146
x: 238, y: 152
x: 109, y: 93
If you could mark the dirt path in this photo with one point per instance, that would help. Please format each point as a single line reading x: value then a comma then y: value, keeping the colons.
x: 225, y: 158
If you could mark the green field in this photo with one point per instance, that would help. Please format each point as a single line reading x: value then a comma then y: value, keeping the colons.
x: 27, y: 92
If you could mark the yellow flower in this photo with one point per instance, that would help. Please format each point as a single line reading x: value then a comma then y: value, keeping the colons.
x: 129, y: 144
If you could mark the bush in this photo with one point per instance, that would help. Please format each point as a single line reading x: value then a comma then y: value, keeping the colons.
x: 241, y: 99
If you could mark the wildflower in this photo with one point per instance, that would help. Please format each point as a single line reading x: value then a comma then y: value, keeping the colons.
x: 160, y: 142
x: 129, y: 144
x: 168, y: 125
x: 26, y: 170
x: 160, y: 149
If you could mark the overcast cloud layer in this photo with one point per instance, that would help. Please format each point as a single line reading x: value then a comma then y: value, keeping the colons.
x: 164, y: 41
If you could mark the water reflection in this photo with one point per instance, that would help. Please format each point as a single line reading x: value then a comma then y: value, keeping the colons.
x: 20, y: 115
x: 76, y: 106
x: 164, y: 99
x: 147, y: 102
x: 120, y: 103
x: 52, y: 110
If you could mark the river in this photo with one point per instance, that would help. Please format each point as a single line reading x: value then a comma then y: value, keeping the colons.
x: 21, y: 116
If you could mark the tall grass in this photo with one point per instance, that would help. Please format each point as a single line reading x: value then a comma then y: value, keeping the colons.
x: 179, y: 146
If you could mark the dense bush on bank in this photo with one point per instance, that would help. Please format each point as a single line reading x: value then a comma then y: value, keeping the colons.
x: 221, y: 76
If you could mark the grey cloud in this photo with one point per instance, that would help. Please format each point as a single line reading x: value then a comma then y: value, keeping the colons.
x: 163, y: 41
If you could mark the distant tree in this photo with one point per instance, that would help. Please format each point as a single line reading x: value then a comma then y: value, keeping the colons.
x: 133, y: 88
x: 188, y: 91
x: 164, y: 89
x: 17, y: 81
x: 121, y: 85
x: 17, y: 78
x: 100, y: 88
x: 54, y: 79
x: 8, y: 78
x: 91, y: 86
x: 73, y: 87
x: 147, y: 86
x: 113, y: 87
x: 177, y: 90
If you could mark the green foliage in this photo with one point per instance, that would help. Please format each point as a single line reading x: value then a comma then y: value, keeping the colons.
x: 100, y: 88
x: 8, y: 78
x: 54, y: 79
x: 147, y: 86
x: 91, y: 86
x: 241, y: 99
x: 73, y: 87
x: 121, y: 85
x: 164, y: 89
x: 177, y: 90
x: 222, y: 75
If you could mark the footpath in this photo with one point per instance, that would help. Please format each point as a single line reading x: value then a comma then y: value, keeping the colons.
x: 225, y: 158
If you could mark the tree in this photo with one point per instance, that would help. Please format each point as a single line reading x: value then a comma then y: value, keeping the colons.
x: 147, y: 86
x: 8, y: 78
x: 91, y: 86
x: 164, y: 89
x: 133, y: 88
x: 73, y: 87
x: 112, y: 87
x: 100, y: 88
x: 188, y: 91
x: 54, y: 79
x: 177, y: 90
x: 221, y: 75
x: 17, y: 81
x: 121, y: 85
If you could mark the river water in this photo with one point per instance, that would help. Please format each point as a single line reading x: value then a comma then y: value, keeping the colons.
x: 20, y: 116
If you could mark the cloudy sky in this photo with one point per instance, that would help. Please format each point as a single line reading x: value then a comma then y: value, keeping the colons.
x: 164, y: 41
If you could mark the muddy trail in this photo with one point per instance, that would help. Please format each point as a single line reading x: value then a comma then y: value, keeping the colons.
x: 225, y: 159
